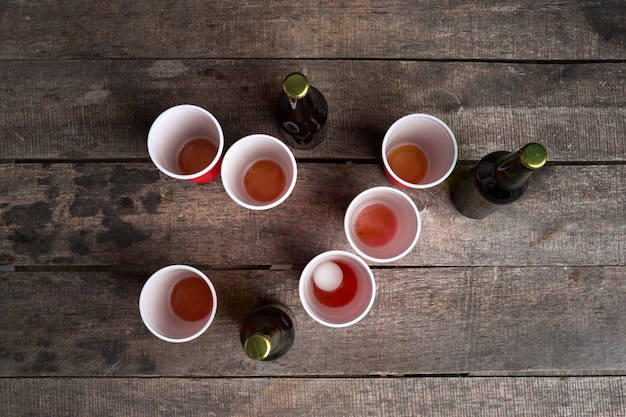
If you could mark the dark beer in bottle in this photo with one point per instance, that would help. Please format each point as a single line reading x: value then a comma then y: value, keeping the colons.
x: 497, y: 179
x: 267, y: 332
x: 301, y: 112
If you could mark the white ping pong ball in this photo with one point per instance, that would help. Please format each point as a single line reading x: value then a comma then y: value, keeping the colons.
x: 328, y: 276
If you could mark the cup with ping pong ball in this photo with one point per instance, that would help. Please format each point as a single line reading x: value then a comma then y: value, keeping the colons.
x: 382, y: 224
x: 337, y: 288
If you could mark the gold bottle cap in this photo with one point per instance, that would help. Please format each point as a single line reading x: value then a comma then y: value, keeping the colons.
x: 533, y: 156
x: 296, y: 85
x: 257, y: 347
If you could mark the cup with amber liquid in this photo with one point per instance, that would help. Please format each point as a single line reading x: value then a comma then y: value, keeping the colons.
x: 186, y: 142
x: 178, y: 303
x: 419, y: 151
x: 259, y: 172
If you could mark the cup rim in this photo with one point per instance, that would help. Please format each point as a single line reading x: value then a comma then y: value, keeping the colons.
x: 363, y: 195
x: 308, y: 270
x: 142, y: 301
x: 226, y: 178
x: 167, y: 113
x: 441, y: 123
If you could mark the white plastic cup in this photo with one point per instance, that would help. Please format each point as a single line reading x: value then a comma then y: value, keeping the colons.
x: 433, y: 137
x: 176, y: 126
x: 382, y: 224
x: 344, y: 315
x: 245, y: 153
x: 155, y: 306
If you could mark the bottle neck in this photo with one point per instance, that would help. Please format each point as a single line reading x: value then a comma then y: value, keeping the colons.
x: 510, y: 172
x: 295, y: 102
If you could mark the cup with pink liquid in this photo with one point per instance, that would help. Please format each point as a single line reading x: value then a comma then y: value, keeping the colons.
x: 382, y: 224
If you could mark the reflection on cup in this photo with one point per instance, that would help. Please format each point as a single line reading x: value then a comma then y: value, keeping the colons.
x: 259, y: 172
x: 419, y: 151
x: 178, y: 303
x: 337, y: 288
x: 382, y: 224
x: 186, y: 142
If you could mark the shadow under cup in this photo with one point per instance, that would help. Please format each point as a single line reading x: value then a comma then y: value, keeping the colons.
x: 174, y: 128
x: 347, y: 314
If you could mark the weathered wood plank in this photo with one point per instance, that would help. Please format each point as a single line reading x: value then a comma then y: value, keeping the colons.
x: 115, y: 214
x: 486, y: 29
x: 411, y: 397
x: 536, y: 291
x: 103, y: 109
x: 472, y: 321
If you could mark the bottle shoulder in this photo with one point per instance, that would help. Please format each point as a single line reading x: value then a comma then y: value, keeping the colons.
x: 318, y: 98
x: 490, y: 179
x: 276, y: 315
x: 499, y: 178
x: 313, y: 103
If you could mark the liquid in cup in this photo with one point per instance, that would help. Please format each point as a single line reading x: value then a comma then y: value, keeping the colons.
x: 264, y: 181
x: 191, y: 299
x: 196, y: 155
x: 376, y: 225
x: 335, y: 283
x: 409, y: 162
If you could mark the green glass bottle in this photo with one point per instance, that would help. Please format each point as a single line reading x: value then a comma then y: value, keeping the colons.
x: 301, y: 112
x: 268, y: 332
x: 497, y: 179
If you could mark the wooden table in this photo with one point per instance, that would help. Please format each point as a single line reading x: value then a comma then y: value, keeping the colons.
x: 523, y: 313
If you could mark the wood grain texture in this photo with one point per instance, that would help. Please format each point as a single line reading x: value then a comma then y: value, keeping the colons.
x: 116, y: 214
x: 485, y: 321
x: 485, y: 29
x: 80, y: 110
x: 410, y: 397
x: 520, y: 314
